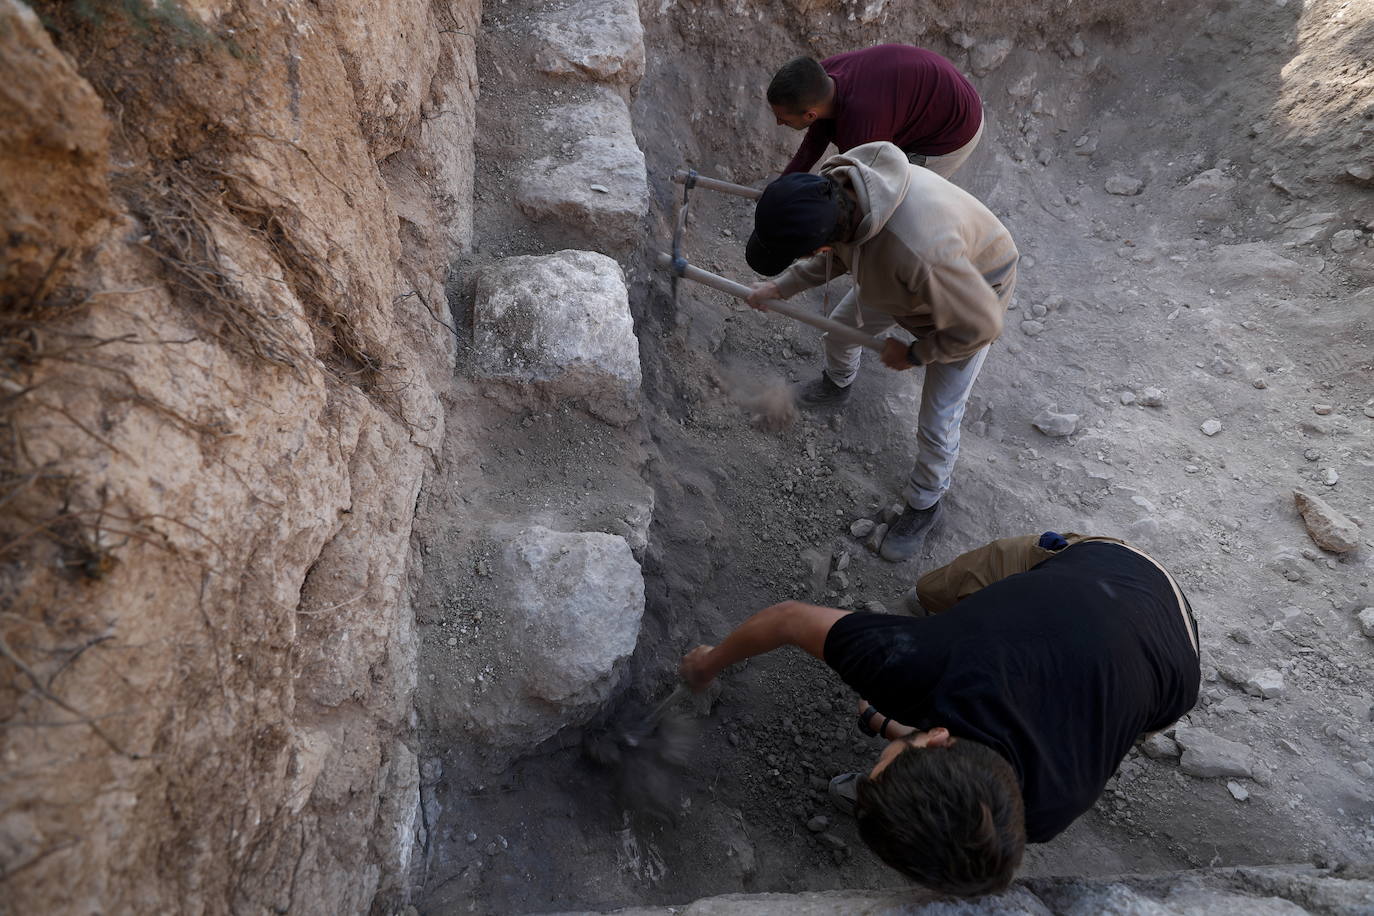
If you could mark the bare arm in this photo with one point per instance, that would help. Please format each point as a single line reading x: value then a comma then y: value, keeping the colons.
x: 887, y: 728
x: 790, y: 623
x: 812, y: 146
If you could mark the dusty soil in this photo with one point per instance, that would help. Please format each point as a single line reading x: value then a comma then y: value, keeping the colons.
x: 1229, y: 304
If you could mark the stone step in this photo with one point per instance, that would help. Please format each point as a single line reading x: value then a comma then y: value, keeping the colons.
x: 595, y: 183
x: 599, y: 40
x: 557, y: 328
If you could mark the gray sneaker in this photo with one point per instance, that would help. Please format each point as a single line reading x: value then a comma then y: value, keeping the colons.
x: 844, y: 793
x: 909, y: 531
x: 822, y: 393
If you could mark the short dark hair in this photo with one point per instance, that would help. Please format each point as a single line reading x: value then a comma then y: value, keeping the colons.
x: 799, y: 84
x: 950, y: 818
x: 844, y: 217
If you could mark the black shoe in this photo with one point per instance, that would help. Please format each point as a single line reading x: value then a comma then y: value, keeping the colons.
x: 821, y: 393
x: 909, y: 531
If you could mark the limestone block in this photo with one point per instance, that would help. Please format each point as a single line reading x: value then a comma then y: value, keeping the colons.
x: 559, y: 325
x: 600, y: 39
x: 566, y: 613
x: 987, y: 56
x: 1207, y: 755
x: 1209, y: 194
x: 598, y: 187
x: 1330, y: 529
x: 1249, y: 261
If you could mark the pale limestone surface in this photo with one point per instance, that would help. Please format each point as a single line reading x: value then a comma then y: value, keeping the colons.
x: 599, y: 187
x: 1330, y: 529
x: 1206, y: 754
x: 564, y: 612
x: 601, y: 40
x: 560, y: 325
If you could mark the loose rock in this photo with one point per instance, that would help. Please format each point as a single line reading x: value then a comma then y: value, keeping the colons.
x: 1123, y: 185
x: 1152, y: 397
x: 1328, y: 528
x: 1321, y: 410
x: 1160, y: 746
x: 818, y: 824
x: 1211, y: 427
x: 1127, y: 398
x: 862, y: 527
x: 1267, y: 683
x: 1032, y: 328
x: 1366, y: 621
x: 1238, y: 791
x: 1207, y: 755
x: 1330, y: 477
x: 988, y: 55
x: 1345, y: 241
x: 833, y: 841
x: 875, y: 540
x: 1055, y: 424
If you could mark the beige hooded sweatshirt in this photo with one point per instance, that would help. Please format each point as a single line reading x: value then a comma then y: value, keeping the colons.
x: 926, y: 252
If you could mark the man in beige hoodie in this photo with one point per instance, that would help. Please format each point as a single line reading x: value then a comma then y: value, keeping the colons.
x: 924, y: 255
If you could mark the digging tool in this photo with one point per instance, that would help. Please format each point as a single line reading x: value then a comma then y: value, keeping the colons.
x: 689, y: 179
x: 647, y: 755
x: 680, y: 268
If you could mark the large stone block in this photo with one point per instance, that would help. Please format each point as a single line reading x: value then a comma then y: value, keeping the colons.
x: 558, y: 326
x: 596, y: 186
x: 600, y: 39
x: 565, y: 613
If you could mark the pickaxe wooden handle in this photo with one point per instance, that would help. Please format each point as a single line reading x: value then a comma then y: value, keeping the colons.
x: 715, y: 184
x: 740, y: 291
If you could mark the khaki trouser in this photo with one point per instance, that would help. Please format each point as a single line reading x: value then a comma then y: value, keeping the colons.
x: 940, y: 589
x: 947, y: 164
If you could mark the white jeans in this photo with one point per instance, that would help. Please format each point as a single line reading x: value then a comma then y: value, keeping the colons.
x: 944, y: 394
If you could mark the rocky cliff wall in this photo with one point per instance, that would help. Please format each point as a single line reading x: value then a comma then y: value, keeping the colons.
x: 227, y: 224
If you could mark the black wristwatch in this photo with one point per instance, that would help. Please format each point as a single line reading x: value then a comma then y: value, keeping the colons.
x: 865, y: 720
x: 911, y: 356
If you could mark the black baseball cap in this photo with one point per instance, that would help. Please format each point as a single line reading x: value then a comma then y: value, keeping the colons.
x: 796, y: 215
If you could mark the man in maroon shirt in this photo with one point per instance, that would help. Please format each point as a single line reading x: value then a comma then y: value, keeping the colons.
x: 908, y: 96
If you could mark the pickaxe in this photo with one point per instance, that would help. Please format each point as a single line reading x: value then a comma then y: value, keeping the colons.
x: 678, y: 266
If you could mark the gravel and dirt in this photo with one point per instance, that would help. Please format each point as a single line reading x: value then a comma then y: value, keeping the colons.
x: 1197, y: 291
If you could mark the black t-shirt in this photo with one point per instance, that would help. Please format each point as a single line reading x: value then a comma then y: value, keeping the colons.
x: 1059, y: 669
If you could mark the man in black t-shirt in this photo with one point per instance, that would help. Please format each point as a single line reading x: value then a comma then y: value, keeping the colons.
x: 1008, y: 712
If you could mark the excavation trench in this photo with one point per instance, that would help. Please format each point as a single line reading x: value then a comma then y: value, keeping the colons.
x: 333, y: 581
x: 1195, y: 283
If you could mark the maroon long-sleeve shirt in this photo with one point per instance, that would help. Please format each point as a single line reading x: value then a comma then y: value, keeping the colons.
x: 910, y: 96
